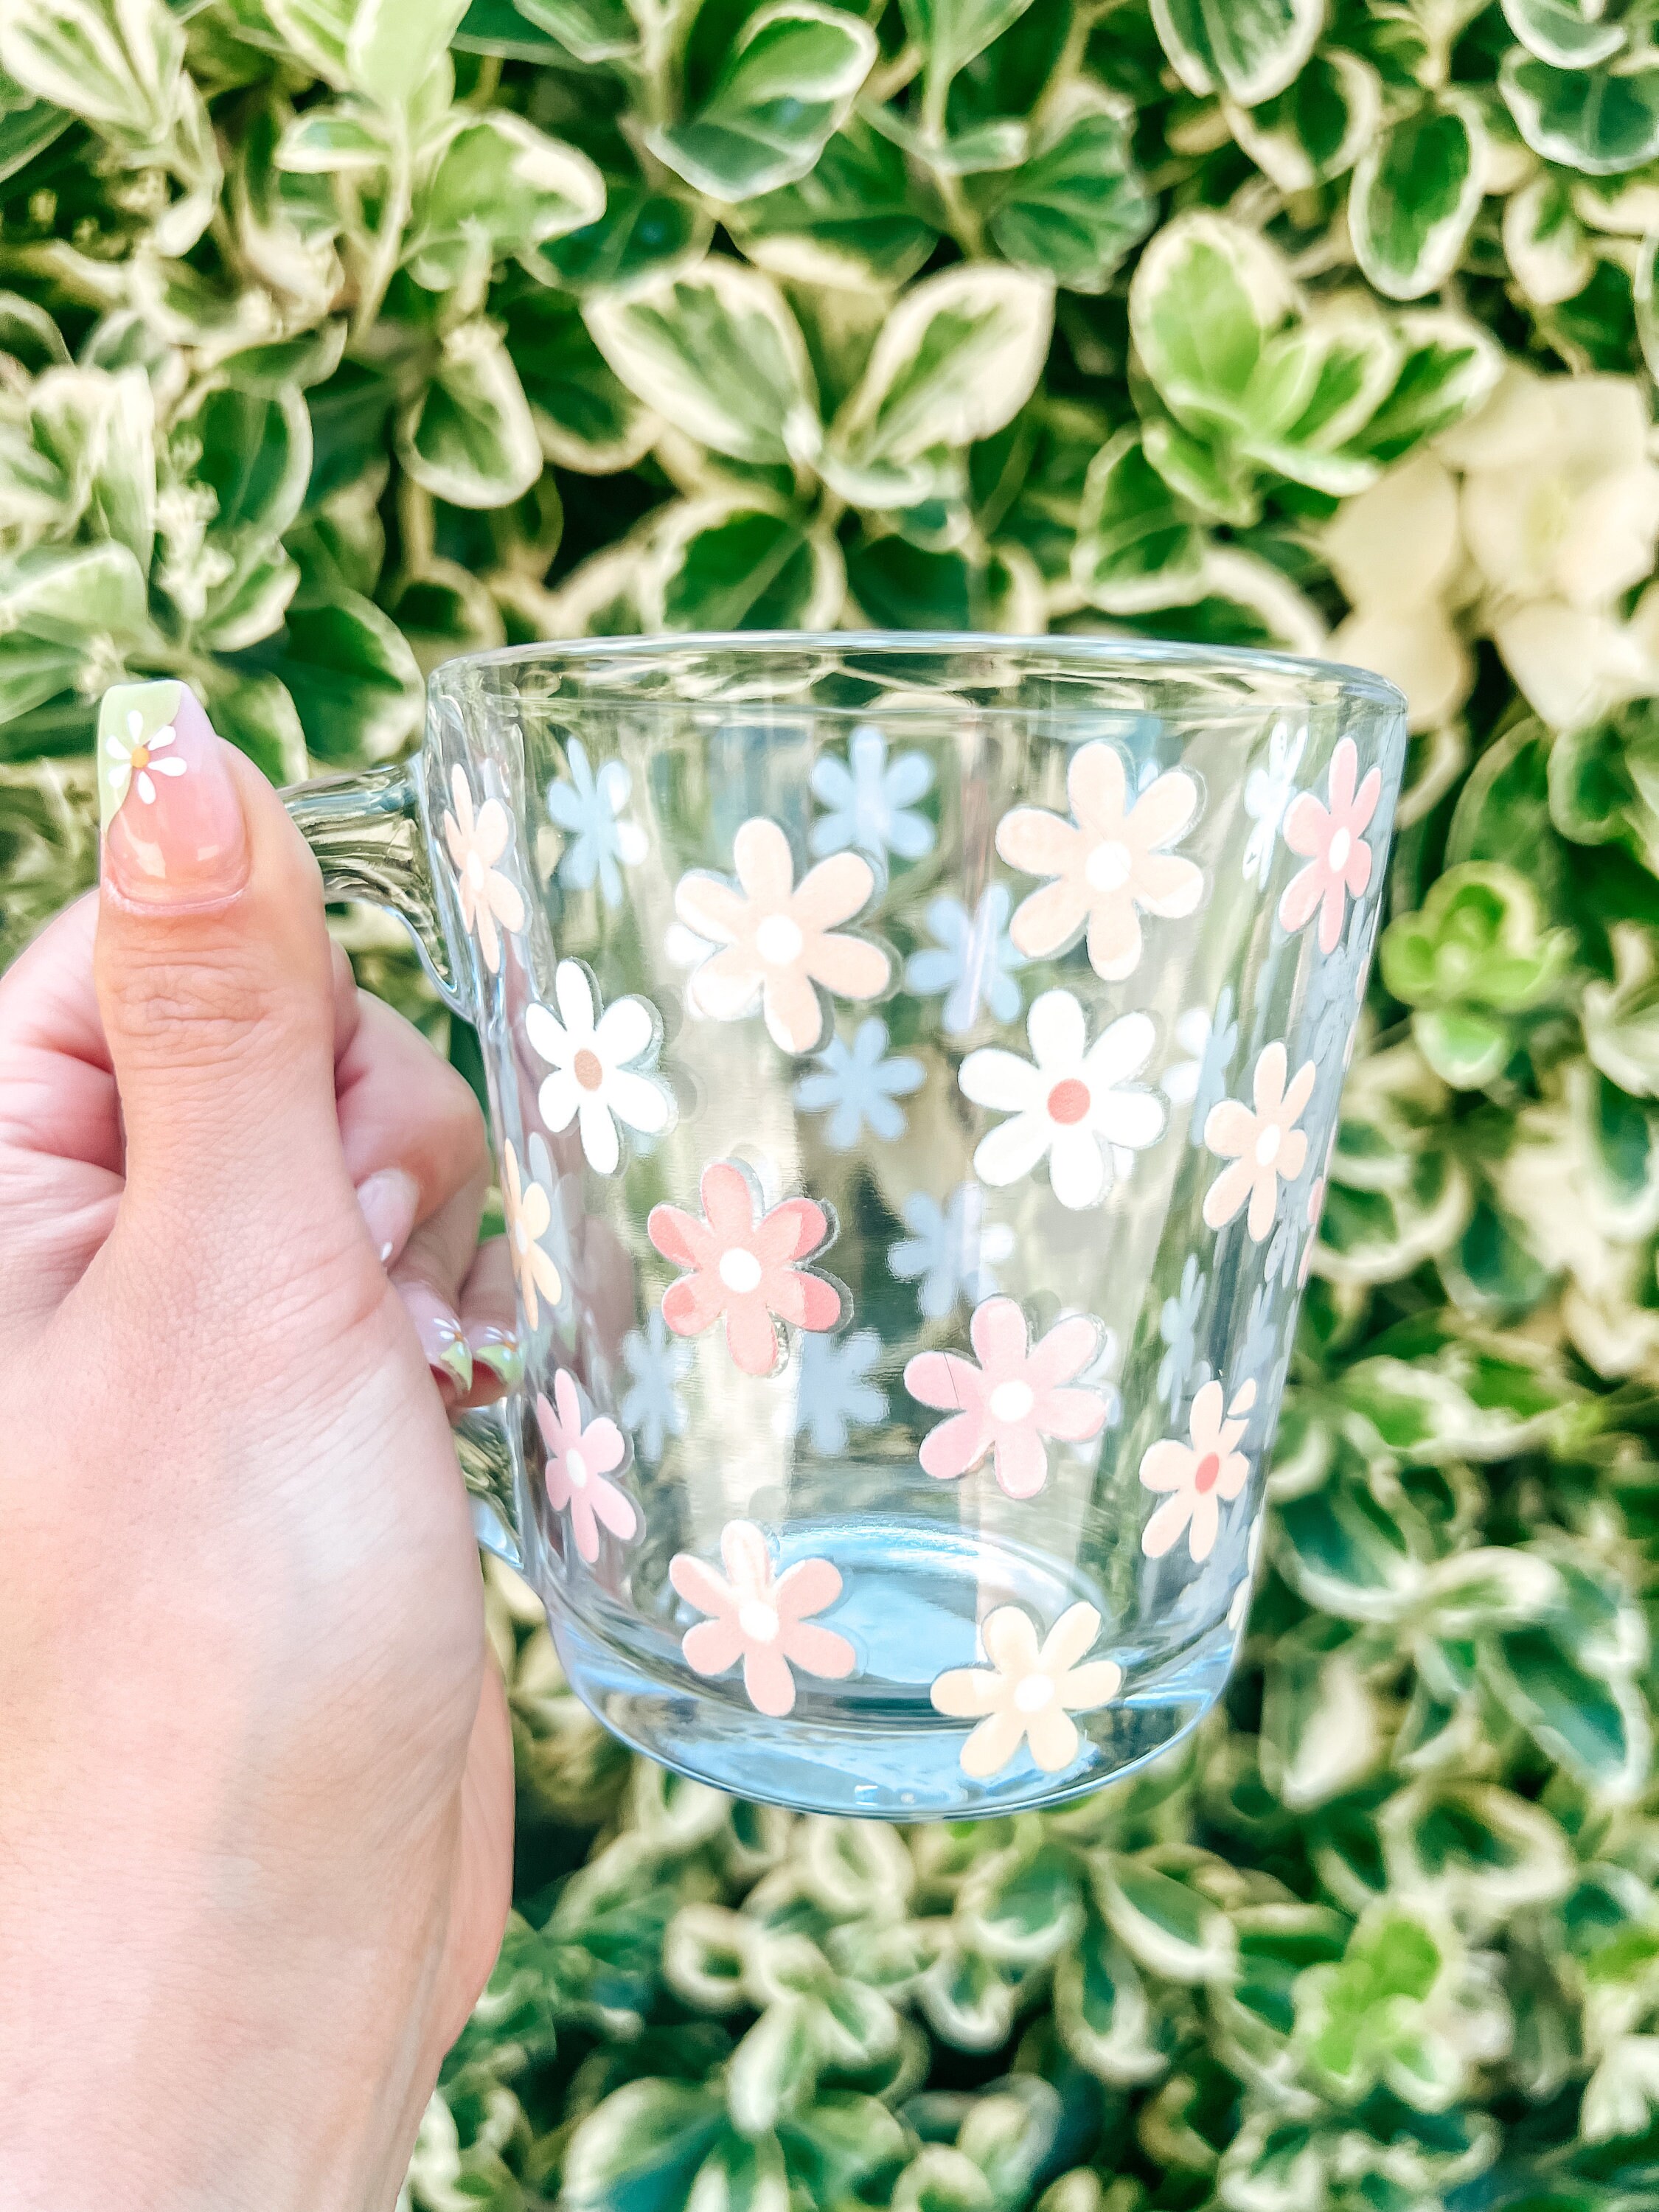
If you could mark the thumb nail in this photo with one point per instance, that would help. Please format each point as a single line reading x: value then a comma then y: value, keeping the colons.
x: 171, y: 815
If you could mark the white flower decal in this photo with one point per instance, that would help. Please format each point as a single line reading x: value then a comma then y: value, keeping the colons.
x: 133, y: 762
x: 1196, y: 1479
x: 599, y: 1063
x: 475, y: 841
x: 1028, y: 1695
x: 1267, y: 792
x: 1074, y: 1103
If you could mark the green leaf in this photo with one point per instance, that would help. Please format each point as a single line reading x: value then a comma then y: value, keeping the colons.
x: 117, y: 67
x: 1544, y: 241
x: 1207, y: 297
x: 1169, y: 1928
x: 355, y: 683
x: 1318, y: 127
x: 717, y: 567
x: 1414, y: 195
x: 638, y: 2151
x: 785, y: 87
x: 1600, y: 122
x: 392, y: 45
x: 1075, y: 207
x: 586, y: 417
x: 1321, y: 1731
x: 1248, y: 49
x: 1566, y: 33
x: 741, y: 2174
x: 1593, y: 1725
x: 851, y: 222
x: 950, y: 33
x: 99, y: 432
x: 71, y: 595
x: 955, y: 360
x: 1136, y: 547
x: 1472, y: 1847
x: 1102, y: 2011
x: 469, y: 436
x: 641, y: 236
x: 718, y: 354
x: 500, y: 186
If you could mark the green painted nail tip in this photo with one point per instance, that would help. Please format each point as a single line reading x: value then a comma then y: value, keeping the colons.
x: 504, y: 1358
x: 133, y: 719
x: 456, y: 1360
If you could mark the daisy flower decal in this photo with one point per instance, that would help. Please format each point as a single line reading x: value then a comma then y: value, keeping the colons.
x: 1029, y: 1693
x: 581, y: 1454
x: 1110, y: 864
x: 1012, y: 1400
x: 1196, y: 1479
x: 133, y: 759
x: 762, y: 1618
x: 1264, y: 1147
x: 780, y: 943
x: 742, y: 1265
x: 527, y: 1210
x: 1328, y: 837
x: 475, y: 841
x: 600, y: 1064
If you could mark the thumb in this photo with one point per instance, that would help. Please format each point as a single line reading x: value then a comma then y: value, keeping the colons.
x: 214, y: 981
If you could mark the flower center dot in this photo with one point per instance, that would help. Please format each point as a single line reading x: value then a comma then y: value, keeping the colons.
x: 1206, y: 1473
x: 475, y: 871
x: 758, y: 1621
x: 740, y: 1271
x: 588, y: 1069
x: 140, y: 756
x: 1012, y: 1401
x: 1035, y: 1691
x: 779, y: 941
x: 1267, y: 1145
x: 1108, y: 866
x: 1337, y: 852
x: 1068, y: 1102
x: 576, y: 1467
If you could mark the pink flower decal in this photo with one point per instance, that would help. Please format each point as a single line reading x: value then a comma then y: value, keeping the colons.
x: 1197, y: 1477
x: 476, y: 842
x: 1011, y: 1400
x: 780, y: 939
x: 1109, y: 865
x: 1265, y: 1148
x: 581, y: 1453
x: 743, y: 1263
x: 1028, y: 1695
x: 760, y: 1617
x: 1329, y: 839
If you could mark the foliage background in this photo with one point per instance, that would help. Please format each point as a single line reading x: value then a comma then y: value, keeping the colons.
x: 343, y: 334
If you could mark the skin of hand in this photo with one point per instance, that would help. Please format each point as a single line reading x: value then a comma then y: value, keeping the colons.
x: 256, y: 1780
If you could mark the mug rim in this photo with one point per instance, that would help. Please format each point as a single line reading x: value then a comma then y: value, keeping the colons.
x: 1301, y: 671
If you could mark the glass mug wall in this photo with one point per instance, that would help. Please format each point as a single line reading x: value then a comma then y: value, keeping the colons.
x: 913, y: 1064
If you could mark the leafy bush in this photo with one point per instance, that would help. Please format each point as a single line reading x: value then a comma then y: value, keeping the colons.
x: 342, y: 337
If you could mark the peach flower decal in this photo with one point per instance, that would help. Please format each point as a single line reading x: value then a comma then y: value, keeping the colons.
x: 1028, y: 1695
x: 1265, y: 1147
x: 1197, y: 1477
x: 760, y: 1617
x: 476, y: 842
x: 1110, y: 864
x: 1329, y: 838
x: 1013, y: 1400
x: 781, y: 941
x: 581, y: 1453
x: 528, y: 1213
x: 743, y: 1264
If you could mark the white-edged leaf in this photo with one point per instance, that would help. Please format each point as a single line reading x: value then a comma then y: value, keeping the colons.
x: 784, y: 89
x: 1318, y: 127
x: 1248, y: 49
x: 1075, y: 206
x: 717, y: 353
x: 1136, y: 547
x: 469, y: 437
x: 1207, y: 296
x: 500, y: 187
x: 392, y: 44
x: 1414, y: 195
x: 721, y: 565
x: 1544, y: 242
x: 1600, y: 122
x: 1569, y: 34
x: 950, y: 33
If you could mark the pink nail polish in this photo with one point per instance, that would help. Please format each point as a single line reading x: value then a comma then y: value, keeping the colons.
x: 388, y: 1199
x: 171, y: 813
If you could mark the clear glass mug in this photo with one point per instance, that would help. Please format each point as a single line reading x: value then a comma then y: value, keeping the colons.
x: 914, y: 1063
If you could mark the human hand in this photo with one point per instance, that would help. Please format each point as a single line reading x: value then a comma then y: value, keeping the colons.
x: 255, y: 1768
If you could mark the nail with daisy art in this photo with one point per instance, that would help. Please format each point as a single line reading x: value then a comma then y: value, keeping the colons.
x: 171, y: 815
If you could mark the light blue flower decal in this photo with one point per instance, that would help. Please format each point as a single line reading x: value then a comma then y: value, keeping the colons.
x: 869, y: 802
x: 1209, y: 1041
x: 1261, y: 1360
x: 588, y: 808
x: 1268, y: 792
x: 951, y: 1250
x: 651, y: 1406
x: 1178, y: 1326
x: 833, y: 1391
x: 974, y: 961
x: 858, y: 1086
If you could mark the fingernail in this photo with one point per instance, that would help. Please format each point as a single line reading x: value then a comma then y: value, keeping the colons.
x: 171, y: 817
x: 388, y: 1199
x: 447, y: 1353
x: 499, y: 1350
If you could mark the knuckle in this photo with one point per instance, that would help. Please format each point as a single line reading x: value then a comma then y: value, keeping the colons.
x: 192, y: 1011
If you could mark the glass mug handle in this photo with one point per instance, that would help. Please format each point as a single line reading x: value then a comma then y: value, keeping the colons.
x: 369, y: 834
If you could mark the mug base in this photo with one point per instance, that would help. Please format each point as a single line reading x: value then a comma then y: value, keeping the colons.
x: 905, y: 1767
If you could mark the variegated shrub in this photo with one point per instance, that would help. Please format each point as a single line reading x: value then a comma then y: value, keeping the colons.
x: 340, y: 335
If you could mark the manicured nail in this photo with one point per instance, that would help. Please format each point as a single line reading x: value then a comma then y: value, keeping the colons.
x: 499, y: 1350
x: 447, y: 1353
x: 388, y: 1199
x: 171, y: 817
